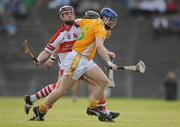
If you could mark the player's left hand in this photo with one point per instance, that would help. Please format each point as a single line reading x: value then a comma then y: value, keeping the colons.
x: 108, y: 33
x: 49, y: 63
x: 111, y: 55
x: 114, y: 66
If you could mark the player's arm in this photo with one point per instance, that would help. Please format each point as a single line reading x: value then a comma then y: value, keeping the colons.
x: 100, y: 34
x: 108, y: 34
x: 111, y: 54
x: 54, y: 42
x: 101, y: 49
x: 50, y: 62
x: 44, y: 55
x: 102, y: 52
x: 55, y: 53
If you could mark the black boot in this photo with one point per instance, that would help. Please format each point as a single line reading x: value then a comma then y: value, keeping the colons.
x: 101, y: 115
x: 38, y: 115
x: 114, y: 114
x: 28, y: 104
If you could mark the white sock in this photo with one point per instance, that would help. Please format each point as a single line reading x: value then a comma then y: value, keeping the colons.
x: 33, y: 98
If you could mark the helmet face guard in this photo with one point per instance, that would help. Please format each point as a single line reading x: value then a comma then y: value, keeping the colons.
x: 112, y: 22
x: 111, y: 16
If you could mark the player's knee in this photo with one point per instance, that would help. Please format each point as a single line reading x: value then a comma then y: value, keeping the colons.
x: 105, y: 81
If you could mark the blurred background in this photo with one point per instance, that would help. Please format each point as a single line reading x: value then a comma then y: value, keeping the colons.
x: 147, y: 29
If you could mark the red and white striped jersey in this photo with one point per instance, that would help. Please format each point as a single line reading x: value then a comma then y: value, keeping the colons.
x: 65, y: 39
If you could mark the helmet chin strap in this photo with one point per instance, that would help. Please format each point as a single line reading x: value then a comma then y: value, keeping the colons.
x: 107, y: 27
x: 68, y: 22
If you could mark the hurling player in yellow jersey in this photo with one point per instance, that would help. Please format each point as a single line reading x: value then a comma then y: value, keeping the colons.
x: 80, y: 63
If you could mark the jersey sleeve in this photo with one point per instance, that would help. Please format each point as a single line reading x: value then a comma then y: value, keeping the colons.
x: 82, y: 21
x: 55, y: 41
x: 99, y: 29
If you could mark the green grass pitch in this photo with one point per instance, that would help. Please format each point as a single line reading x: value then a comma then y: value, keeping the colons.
x: 134, y: 113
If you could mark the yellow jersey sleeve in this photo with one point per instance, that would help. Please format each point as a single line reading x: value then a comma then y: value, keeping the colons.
x: 82, y: 22
x: 99, y: 29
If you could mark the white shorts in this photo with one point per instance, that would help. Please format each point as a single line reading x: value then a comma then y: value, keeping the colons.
x: 75, y: 65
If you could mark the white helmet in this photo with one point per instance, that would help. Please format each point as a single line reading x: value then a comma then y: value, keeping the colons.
x: 65, y: 8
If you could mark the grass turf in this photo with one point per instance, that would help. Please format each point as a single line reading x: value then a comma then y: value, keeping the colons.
x: 134, y: 113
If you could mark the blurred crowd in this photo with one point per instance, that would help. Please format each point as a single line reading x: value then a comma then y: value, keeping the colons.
x: 10, y: 11
x: 13, y: 10
x: 79, y: 5
x: 164, y: 12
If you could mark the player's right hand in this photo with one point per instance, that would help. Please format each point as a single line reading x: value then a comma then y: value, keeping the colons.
x: 108, y: 34
x: 36, y: 62
x: 112, y: 55
x: 114, y: 66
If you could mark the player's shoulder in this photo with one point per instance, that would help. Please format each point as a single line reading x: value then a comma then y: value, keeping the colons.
x: 60, y: 29
x: 59, y: 32
x: 78, y: 21
x: 99, y: 22
x: 95, y: 22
